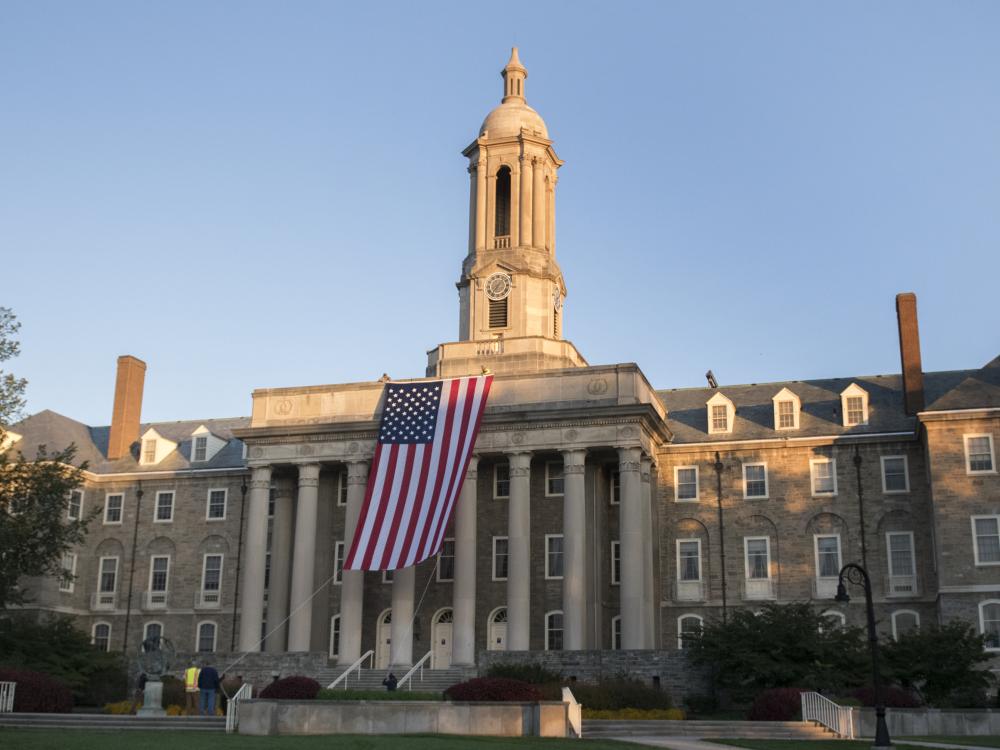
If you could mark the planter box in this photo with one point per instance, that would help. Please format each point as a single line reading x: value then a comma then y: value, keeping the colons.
x: 274, y: 717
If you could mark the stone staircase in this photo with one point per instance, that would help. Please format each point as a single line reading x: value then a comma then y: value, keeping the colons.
x: 433, y: 681
x: 764, y: 730
x: 111, y: 723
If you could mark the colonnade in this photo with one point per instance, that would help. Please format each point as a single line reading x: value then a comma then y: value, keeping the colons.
x: 532, y: 204
x: 291, y: 595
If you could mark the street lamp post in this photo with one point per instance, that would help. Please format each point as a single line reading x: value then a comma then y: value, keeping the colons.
x: 857, y: 575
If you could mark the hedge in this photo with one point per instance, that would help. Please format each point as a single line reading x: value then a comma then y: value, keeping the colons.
x: 37, y: 693
x: 295, y: 687
x: 493, y: 689
x: 777, y: 704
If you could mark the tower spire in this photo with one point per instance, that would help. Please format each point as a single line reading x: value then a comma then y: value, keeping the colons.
x: 513, y: 78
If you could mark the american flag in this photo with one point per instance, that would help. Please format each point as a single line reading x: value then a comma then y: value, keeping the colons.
x: 424, y: 443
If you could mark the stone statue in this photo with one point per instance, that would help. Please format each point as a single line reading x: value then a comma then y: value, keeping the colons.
x: 155, y: 657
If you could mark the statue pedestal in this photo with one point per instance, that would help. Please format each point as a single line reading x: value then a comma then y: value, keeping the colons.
x: 152, y: 699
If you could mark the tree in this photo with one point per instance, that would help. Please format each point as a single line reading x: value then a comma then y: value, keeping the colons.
x: 784, y: 645
x: 35, y: 532
x: 941, y: 663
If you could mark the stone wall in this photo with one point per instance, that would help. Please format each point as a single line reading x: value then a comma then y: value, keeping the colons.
x: 903, y: 722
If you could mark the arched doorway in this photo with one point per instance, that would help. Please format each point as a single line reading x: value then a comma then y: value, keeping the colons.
x: 383, y: 640
x: 496, y: 630
x: 441, y: 634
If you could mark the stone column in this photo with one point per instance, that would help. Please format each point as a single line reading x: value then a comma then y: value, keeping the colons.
x: 255, y: 545
x: 401, y: 648
x: 551, y: 220
x: 304, y: 560
x: 525, y: 198
x: 519, y: 553
x: 464, y: 591
x: 491, y: 209
x: 538, y: 210
x: 352, y: 588
x: 630, y: 536
x: 281, y: 554
x: 515, y: 204
x: 473, y: 179
x: 650, y: 600
x: 574, y: 546
x: 481, y: 204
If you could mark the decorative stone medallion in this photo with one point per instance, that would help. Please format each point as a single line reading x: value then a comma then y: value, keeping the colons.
x: 517, y: 438
x: 283, y: 407
x: 257, y: 452
x: 597, y: 387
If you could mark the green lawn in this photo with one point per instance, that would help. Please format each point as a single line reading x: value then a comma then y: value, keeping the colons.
x: 978, y: 741
x: 809, y: 744
x: 44, y: 739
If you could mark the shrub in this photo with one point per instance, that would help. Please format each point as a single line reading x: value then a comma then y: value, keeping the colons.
x: 636, y: 714
x: 173, y: 692
x: 295, y: 687
x: 702, y: 704
x: 37, y: 693
x: 325, y: 694
x: 175, y: 710
x: 619, y: 693
x: 493, y: 689
x: 121, y: 707
x: 894, y: 697
x: 534, y: 674
x: 777, y: 704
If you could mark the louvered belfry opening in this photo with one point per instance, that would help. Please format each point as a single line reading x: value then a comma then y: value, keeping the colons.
x: 502, y: 223
x: 498, y: 313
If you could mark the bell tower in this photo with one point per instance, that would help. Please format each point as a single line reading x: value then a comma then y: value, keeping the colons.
x: 511, y: 290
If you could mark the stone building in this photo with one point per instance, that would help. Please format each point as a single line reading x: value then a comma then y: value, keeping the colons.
x: 598, y: 513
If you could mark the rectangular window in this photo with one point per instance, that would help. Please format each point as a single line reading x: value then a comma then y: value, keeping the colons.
x: 720, y: 418
x: 107, y: 582
x: 75, y: 509
x: 616, y: 487
x: 986, y: 532
x: 387, y: 576
x: 206, y: 637
x: 758, y: 557
x: 500, y: 558
x: 149, y: 451
x: 855, y: 410
x: 270, y: 503
x: 66, y: 581
x: 824, y: 476
x: 688, y: 560
x: 200, y: 448
x: 616, y: 563
x: 553, y: 556
x: 553, y: 478
x: 979, y: 454
x: 113, y: 508
x: 754, y: 481
x: 786, y: 415
x: 216, y: 505
x: 338, y: 563
x: 159, y: 570
x: 827, y: 556
x: 501, y: 480
x: 342, y: 489
x: 267, y: 571
x: 894, y: 474
x: 164, y: 507
x: 685, y: 483
x: 211, y: 577
x: 900, y: 545
x: 446, y: 561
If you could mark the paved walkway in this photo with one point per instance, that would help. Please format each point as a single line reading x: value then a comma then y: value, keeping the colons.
x: 676, y: 743
x: 924, y: 743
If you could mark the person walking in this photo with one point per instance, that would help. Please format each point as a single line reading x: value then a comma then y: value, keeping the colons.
x: 208, y: 684
x: 191, y: 690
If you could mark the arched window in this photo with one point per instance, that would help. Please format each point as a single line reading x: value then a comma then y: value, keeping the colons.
x: 152, y: 630
x: 501, y: 226
x: 206, y: 637
x: 904, y: 621
x: 553, y: 631
x: 989, y: 623
x: 334, y: 636
x: 616, y: 632
x: 101, y: 636
x: 688, y: 627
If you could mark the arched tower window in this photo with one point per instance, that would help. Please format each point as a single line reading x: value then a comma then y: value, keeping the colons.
x: 502, y: 223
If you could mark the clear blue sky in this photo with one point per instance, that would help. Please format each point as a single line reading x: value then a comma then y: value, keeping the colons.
x: 255, y: 194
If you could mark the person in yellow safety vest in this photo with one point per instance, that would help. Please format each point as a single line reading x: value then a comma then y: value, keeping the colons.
x: 191, y: 690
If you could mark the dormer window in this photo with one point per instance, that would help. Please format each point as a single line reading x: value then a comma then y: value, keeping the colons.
x: 786, y: 410
x: 200, y: 448
x: 155, y: 447
x: 720, y: 414
x: 854, y: 404
x: 205, y: 445
x: 149, y: 451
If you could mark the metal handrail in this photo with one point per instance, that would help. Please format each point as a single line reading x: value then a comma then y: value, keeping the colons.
x: 233, y: 707
x: 838, y: 719
x: 7, y: 697
x: 419, y: 665
x: 369, y: 654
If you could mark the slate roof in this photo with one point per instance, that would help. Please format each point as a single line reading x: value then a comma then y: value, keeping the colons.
x: 57, y: 432
x: 979, y: 389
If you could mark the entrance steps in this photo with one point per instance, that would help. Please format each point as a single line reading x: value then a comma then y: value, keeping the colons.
x: 764, y: 730
x: 111, y: 722
x: 433, y: 680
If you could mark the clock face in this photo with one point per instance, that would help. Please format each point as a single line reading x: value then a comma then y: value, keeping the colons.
x: 498, y: 286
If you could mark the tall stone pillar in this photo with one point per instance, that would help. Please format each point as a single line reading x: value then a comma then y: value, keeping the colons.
x: 515, y: 204
x: 538, y: 209
x: 304, y: 560
x: 473, y: 179
x: 491, y: 208
x: 651, y: 601
x: 281, y: 556
x: 551, y: 221
x: 631, y: 536
x: 255, y: 544
x: 525, y: 199
x: 481, y: 205
x: 574, y: 545
x: 352, y: 587
x: 519, y: 553
x: 464, y: 591
x: 401, y: 648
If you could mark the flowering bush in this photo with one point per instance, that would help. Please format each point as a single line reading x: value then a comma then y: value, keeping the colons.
x: 37, y: 692
x: 777, y: 704
x: 493, y: 689
x: 296, y: 687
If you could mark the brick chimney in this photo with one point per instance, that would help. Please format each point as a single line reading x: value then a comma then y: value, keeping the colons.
x: 128, y: 406
x: 909, y: 352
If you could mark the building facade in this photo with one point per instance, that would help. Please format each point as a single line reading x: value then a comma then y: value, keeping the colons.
x: 598, y: 512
